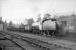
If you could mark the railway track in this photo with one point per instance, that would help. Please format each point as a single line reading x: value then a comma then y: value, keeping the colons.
x: 36, y: 43
x: 8, y: 37
x: 24, y: 45
x: 54, y: 41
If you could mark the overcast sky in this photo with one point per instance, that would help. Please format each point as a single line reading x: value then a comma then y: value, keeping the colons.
x: 18, y: 10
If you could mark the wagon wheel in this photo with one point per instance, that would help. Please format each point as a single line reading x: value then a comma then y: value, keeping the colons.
x: 42, y: 32
x: 53, y: 34
x: 48, y: 33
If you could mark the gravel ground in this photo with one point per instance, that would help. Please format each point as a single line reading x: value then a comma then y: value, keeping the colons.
x: 61, y: 42
x: 8, y: 45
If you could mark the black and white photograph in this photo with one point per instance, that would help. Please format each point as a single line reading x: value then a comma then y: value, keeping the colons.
x: 37, y: 24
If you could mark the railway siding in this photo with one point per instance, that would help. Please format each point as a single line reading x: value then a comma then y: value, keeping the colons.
x: 8, y: 45
x: 44, y: 42
x: 24, y: 45
x: 61, y: 43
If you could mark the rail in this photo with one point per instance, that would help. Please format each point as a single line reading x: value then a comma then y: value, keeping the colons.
x: 39, y: 43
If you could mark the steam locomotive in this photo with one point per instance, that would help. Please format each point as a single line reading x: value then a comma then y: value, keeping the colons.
x: 49, y: 27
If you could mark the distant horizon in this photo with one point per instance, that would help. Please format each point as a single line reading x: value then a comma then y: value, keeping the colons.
x: 49, y: 13
x: 18, y: 10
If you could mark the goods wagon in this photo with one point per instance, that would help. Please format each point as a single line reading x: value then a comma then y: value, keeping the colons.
x: 28, y: 28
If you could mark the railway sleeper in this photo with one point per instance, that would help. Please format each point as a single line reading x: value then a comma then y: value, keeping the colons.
x: 40, y: 43
x: 45, y: 45
x: 36, y: 44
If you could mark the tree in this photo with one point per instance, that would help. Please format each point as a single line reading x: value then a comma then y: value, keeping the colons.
x: 30, y: 21
x: 46, y: 16
x: 39, y: 19
x: 21, y: 25
x: 0, y: 18
x: 10, y: 23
